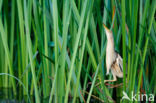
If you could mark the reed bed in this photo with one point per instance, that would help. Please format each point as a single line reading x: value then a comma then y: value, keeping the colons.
x: 55, y: 49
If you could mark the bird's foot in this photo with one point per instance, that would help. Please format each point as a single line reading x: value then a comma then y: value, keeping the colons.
x: 110, y: 80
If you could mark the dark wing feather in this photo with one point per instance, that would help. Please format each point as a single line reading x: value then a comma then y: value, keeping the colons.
x: 119, y: 62
x: 117, y: 66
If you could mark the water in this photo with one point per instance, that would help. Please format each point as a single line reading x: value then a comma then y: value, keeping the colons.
x: 6, y: 96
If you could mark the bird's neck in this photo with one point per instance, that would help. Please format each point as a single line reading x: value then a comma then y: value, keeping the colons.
x: 110, y: 44
x: 110, y: 40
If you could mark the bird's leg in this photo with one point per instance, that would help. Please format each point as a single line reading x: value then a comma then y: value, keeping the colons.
x: 114, y: 79
x: 107, y: 73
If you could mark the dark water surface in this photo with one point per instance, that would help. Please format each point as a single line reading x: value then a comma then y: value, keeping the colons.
x: 6, y: 96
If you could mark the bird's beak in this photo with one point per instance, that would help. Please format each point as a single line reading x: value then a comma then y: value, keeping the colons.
x: 105, y: 27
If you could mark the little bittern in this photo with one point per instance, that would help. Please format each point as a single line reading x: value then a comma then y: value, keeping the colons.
x: 113, y: 59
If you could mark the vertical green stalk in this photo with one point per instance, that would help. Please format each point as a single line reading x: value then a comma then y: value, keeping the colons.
x: 55, y: 21
x: 81, y: 57
x: 1, y: 47
x: 124, y: 42
x: 6, y: 22
x: 130, y: 9
x: 32, y: 68
x: 29, y: 46
x: 129, y: 56
x: 149, y: 29
x: 134, y: 30
x: 55, y: 38
x: 12, y: 28
x: 94, y: 35
x: 46, y: 90
x: 61, y: 75
x: 97, y: 69
x: 75, y: 49
x: 142, y: 22
x: 5, y: 45
x: 38, y: 31
x: 93, y: 83
x: 54, y: 84
x: 88, y: 46
x: 2, y: 82
x: 22, y: 41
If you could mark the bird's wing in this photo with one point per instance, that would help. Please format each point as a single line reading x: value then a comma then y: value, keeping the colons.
x: 119, y: 62
x: 117, y: 66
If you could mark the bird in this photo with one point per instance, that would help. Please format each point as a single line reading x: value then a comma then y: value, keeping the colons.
x: 114, y: 61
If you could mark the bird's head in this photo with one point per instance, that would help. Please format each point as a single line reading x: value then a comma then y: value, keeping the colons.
x: 108, y: 31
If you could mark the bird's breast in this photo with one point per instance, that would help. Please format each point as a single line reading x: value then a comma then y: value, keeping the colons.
x: 110, y: 55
